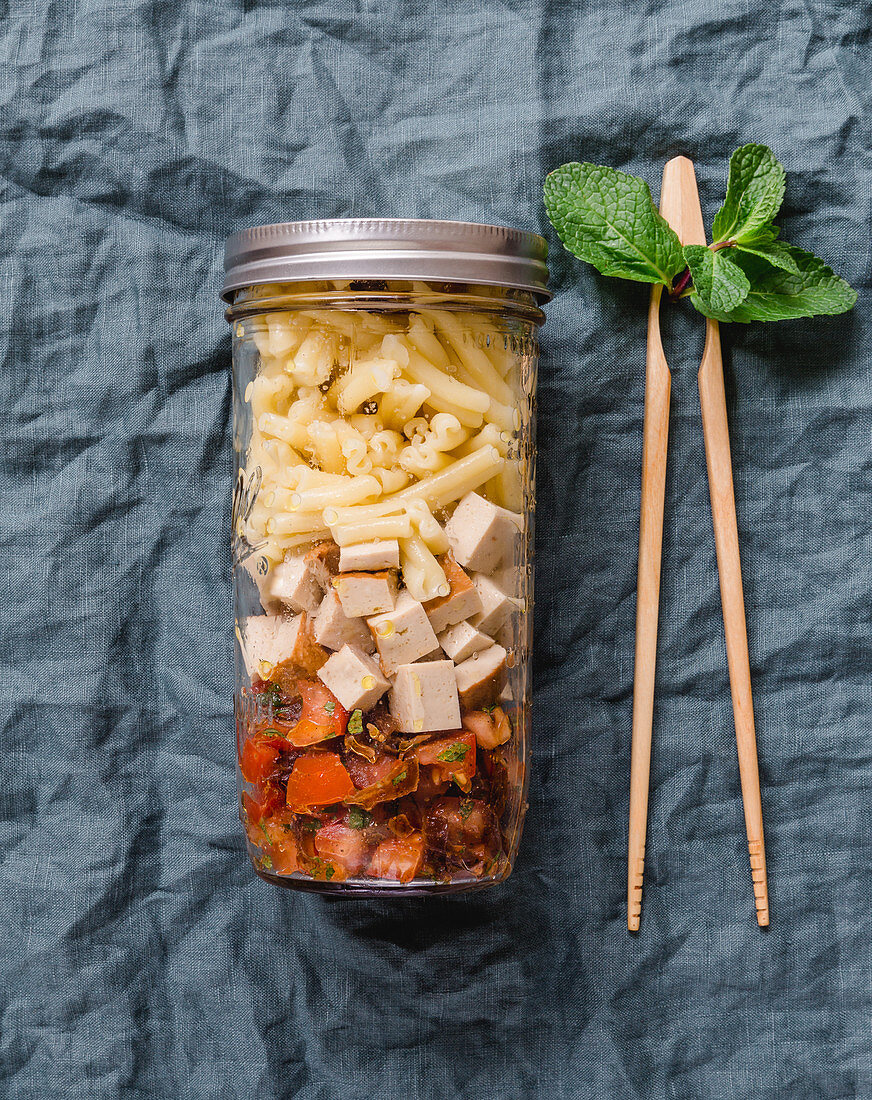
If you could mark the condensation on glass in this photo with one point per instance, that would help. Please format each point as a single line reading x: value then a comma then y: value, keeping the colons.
x: 383, y: 398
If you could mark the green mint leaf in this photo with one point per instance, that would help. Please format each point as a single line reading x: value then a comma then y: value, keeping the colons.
x: 398, y: 779
x: 778, y: 295
x: 457, y: 751
x: 718, y: 283
x: 755, y: 189
x: 355, y: 723
x: 329, y: 706
x: 358, y: 818
x: 608, y: 219
x: 776, y: 253
x: 465, y: 808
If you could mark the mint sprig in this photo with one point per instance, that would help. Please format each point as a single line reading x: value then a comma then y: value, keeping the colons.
x: 608, y: 219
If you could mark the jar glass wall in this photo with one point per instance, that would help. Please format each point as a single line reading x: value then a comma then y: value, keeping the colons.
x: 382, y: 538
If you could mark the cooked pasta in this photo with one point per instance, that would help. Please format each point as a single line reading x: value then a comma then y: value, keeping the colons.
x: 423, y: 575
x: 364, y: 424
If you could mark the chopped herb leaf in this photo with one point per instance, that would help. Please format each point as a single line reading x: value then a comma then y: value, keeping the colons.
x: 330, y: 872
x: 398, y: 779
x: 267, y: 863
x: 330, y: 707
x: 457, y: 751
x: 355, y: 723
x: 310, y: 824
x: 465, y: 808
x: 358, y: 818
x: 271, y: 732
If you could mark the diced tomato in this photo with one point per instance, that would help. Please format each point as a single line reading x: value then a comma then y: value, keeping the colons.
x: 323, y: 715
x: 317, y: 779
x: 399, y: 780
x: 257, y: 759
x: 263, y: 802
x: 285, y: 857
x: 491, y: 730
x: 451, y: 757
x: 398, y: 859
x: 365, y: 774
x: 342, y: 846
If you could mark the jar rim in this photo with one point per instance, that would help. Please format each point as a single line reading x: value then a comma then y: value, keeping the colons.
x: 386, y: 248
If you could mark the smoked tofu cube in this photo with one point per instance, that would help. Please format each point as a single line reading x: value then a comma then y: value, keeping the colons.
x: 403, y: 635
x: 323, y: 561
x: 424, y: 697
x: 496, y: 606
x: 364, y: 594
x: 480, y: 678
x: 269, y: 640
x: 334, y: 629
x: 370, y: 556
x: 462, y: 640
x: 461, y: 602
x: 354, y: 678
x: 293, y: 583
x: 481, y: 533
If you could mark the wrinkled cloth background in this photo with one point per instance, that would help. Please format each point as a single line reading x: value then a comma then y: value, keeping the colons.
x: 140, y: 956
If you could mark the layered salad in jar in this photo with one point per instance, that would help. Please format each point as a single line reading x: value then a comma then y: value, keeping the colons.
x: 381, y: 536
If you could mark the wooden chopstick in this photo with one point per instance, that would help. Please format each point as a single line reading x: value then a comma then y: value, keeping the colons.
x: 720, y: 476
x: 655, y: 440
x: 679, y: 204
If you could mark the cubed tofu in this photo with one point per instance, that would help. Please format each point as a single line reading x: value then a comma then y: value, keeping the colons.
x: 334, y: 629
x: 267, y: 640
x: 323, y: 561
x: 496, y: 605
x: 480, y: 678
x: 461, y: 602
x: 293, y: 583
x: 364, y: 594
x: 354, y: 678
x: 370, y: 556
x: 462, y: 640
x: 402, y: 635
x: 424, y: 697
x: 481, y: 533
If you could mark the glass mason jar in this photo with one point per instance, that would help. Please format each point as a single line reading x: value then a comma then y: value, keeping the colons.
x: 383, y: 395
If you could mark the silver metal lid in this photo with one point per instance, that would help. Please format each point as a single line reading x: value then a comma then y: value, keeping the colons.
x: 386, y: 248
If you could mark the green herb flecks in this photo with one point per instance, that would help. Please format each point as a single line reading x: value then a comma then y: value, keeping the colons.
x: 465, y: 809
x: 330, y: 706
x: 355, y: 723
x: 457, y: 751
x: 608, y: 219
x: 398, y: 779
x: 358, y: 818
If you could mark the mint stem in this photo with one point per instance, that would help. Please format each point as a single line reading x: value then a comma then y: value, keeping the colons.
x: 683, y: 280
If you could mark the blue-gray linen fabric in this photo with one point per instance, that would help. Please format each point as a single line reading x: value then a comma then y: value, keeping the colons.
x: 139, y: 954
